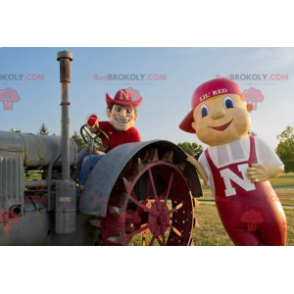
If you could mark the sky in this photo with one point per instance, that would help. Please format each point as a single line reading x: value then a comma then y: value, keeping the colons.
x: 165, y: 102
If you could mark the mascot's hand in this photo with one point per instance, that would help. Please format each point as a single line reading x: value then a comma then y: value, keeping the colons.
x: 92, y: 123
x: 258, y: 173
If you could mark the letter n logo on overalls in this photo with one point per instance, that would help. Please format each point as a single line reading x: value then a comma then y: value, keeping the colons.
x: 229, y: 176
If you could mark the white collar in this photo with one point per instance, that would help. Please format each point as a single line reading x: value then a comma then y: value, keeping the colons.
x: 234, y: 152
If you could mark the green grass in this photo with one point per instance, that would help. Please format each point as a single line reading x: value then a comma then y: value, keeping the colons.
x: 33, y: 175
x: 285, y: 181
x: 212, y: 233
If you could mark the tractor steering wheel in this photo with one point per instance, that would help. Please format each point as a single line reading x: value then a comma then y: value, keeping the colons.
x: 96, y: 139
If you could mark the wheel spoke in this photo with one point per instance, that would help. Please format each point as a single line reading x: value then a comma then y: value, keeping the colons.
x: 148, y: 190
x: 179, y: 206
x: 130, y: 236
x: 169, y: 187
x: 153, y: 184
x: 175, y: 230
x: 145, y: 208
x: 159, y: 241
x: 162, y: 195
x: 152, y: 240
x: 163, y: 239
x: 133, y: 194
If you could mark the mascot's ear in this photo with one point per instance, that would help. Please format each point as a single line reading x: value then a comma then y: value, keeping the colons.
x: 136, y: 116
x: 108, y: 112
x: 194, y: 125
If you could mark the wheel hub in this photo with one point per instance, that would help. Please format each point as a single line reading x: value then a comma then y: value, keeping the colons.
x: 159, y: 219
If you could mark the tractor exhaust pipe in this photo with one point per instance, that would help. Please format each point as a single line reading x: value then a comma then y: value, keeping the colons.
x: 66, y: 192
x: 65, y: 57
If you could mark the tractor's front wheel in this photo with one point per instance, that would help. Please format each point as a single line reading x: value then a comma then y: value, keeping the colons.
x: 150, y: 204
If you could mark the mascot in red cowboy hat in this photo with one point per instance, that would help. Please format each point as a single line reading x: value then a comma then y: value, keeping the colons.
x: 237, y: 167
x: 122, y: 113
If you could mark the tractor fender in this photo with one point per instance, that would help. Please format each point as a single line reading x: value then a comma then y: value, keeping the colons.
x: 95, y: 196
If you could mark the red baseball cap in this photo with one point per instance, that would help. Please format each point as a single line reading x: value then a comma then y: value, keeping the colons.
x: 208, y: 91
x: 123, y: 97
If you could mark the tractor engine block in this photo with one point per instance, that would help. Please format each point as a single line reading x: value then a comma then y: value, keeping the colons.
x: 24, y: 201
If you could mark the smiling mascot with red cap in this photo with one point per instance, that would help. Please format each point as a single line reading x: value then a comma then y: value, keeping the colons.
x: 237, y: 167
x: 122, y: 113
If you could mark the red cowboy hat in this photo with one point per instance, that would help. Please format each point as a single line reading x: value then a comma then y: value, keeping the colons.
x: 206, y: 91
x: 125, y: 98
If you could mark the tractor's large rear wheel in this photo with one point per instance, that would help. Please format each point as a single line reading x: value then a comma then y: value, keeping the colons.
x: 150, y: 204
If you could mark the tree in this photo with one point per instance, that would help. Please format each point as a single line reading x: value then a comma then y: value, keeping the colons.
x: 252, y: 133
x: 285, y: 148
x: 43, y: 130
x: 193, y: 149
x: 79, y: 141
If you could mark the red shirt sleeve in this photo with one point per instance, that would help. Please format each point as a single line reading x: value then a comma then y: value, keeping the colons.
x: 135, y: 136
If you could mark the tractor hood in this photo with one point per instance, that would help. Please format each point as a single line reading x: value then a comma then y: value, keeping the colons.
x: 36, y: 150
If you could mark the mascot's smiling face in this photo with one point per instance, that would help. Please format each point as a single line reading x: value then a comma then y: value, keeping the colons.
x: 221, y: 120
x: 122, y: 118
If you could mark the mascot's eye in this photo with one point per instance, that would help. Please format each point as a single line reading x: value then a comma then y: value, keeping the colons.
x: 228, y: 102
x: 204, y: 111
x: 129, y: 111
x: 118, y: 109
x: 10, y: 96
x: 4, y: 96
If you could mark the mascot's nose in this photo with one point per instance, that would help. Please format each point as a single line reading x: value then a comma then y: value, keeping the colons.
x: 218, y: 112
x: 123, y: 112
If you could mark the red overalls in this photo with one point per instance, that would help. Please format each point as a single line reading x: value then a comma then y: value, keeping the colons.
x: 253, y: 217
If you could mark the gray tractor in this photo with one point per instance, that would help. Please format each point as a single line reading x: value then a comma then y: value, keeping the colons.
x: 139, y: 194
